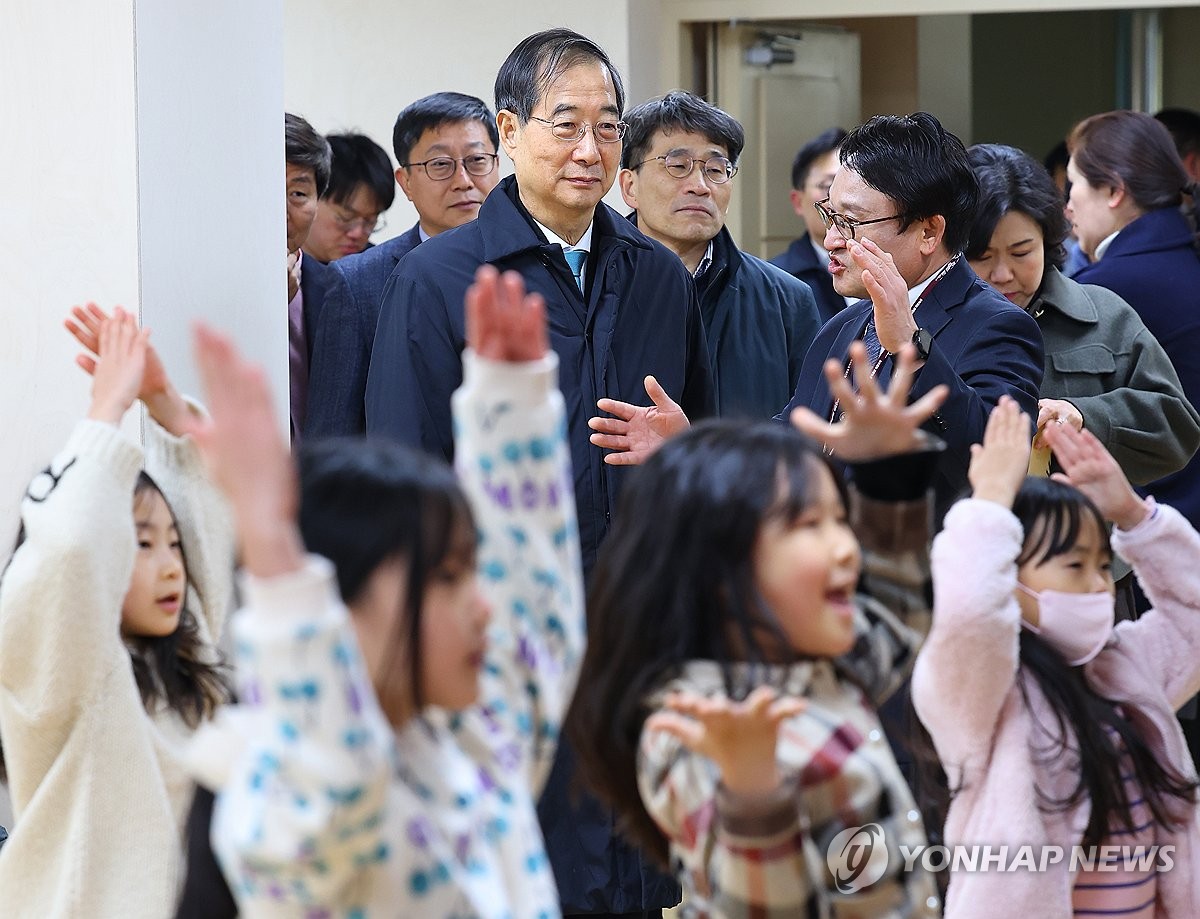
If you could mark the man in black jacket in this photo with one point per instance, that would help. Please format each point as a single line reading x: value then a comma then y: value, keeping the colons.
x: 446, y: 145
x: 620, y: 307
x: 806, y: 258
x: 677, y: 172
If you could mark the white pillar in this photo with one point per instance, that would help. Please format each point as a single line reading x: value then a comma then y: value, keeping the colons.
x: 143, y: 165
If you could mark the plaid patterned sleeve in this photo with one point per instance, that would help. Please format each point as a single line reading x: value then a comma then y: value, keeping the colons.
x: 735, y: 855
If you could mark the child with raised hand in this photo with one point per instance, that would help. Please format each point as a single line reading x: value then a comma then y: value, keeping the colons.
x: 120, y: 579
x: 1055, y: 728
x: 387, y: 757
x: 727, y: 703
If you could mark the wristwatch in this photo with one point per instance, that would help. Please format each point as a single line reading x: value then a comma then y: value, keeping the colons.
x: 923, y: 341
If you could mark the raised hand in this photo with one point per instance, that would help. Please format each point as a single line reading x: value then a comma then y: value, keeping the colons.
x: 1091, y: 469
x: 1055, y: 411
x: 246, y: 454
x: 503, y: 322
x: 1000, y: 463
x: 118, y: 368
x: 874, y: 423
x: 894, y: 323
x: 740, y: 737
x: 637, y: 431
x: 161, y: 398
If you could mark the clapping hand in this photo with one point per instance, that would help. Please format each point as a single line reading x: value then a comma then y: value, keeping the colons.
x: 874, y: 423
x: 740, y: 737
x: 1090, y: 468
x: 162, y: 400
x: 1000, y: 463
x: 117, y: 368
x: 503, y: 322
x: 635, y: 432
x: 244, y: 448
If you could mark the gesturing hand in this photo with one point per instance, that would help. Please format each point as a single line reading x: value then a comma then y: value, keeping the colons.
x: 1055, y: 411
x: 740, y: 737
x: 1091, y: 469
x: 162, y: 400
x: 874, y: 423
x: 117, y: 370
x: 636, y: 431
x: 246, y: 455
x: 503, y: 322
x: 1000, y: 463
x: 894, y: 323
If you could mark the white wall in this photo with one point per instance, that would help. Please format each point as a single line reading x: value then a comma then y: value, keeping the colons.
x: 354, y: 64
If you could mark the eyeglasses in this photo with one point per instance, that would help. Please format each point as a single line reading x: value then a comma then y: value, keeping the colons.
x: 441, y: 168
x: 717, y: 170
x: 846, y: 225
x: 368, y: 225
x: 605, y: 132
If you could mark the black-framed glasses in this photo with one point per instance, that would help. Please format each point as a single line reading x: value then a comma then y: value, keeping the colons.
x: 369, y: 225
x: 605, y: 132
x: 441, y: 168
x: 846, y: 225
x: 716, y: 170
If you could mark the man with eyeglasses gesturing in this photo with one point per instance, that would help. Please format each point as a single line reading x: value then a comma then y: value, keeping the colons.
x: 619, y: 306
x: 446, y: 144
x: 677, y: 172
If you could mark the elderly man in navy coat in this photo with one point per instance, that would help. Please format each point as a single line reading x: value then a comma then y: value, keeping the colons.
x: 446, y: 145
x: 620, y: 307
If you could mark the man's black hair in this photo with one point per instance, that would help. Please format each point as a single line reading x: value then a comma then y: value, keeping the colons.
x: 921, y: 166
x: 435, y: 110
x: 1184, y: 125
x: 683, y: 112
x: 538, y: 61
x: 358, y: 160
x: 303, y: 146
x: 825, y: 142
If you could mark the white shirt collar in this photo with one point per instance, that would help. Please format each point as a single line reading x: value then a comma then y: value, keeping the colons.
x: 585, y: 241
x: 705, y: 261
x: 1104, y: 244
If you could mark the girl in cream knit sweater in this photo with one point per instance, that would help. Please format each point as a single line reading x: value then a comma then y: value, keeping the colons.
x: 104, y: 669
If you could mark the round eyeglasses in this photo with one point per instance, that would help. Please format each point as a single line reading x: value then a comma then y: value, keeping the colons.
x: 605, y: 132
x: 843, y: 224
x: 368, y: 225
x: 717, y: 170
x: 441, y: 168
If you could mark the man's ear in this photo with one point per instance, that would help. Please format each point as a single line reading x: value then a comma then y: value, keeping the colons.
x: 933, y: 230
x: 509, y: 127
x: 402, y: 181
x: 628, y: 180
x: 797, y: 197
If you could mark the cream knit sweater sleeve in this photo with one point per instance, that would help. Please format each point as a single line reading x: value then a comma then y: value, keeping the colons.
x: 60, y: 599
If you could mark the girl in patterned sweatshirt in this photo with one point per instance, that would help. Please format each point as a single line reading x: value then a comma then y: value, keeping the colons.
x: 1057, y: 729
x: 386, y: 759
x: 107, y: 619
x: 727, y: 702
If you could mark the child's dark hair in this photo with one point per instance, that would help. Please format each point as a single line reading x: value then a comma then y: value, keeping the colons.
x: 1053, y: 515
x: 365, y: 502
x: 179, y: 671
x: 674, y: 582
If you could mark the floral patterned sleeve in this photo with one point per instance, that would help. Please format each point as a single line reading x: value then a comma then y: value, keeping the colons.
x: 514, y: 464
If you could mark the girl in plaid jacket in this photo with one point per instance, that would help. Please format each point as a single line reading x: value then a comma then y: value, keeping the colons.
x: 727, y: 702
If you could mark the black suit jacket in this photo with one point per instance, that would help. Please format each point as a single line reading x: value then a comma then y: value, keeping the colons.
x: 341, y: 351
x: 983, y: 347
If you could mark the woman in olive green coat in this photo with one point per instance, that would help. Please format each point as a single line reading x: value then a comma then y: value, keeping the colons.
x: 1104, y: 369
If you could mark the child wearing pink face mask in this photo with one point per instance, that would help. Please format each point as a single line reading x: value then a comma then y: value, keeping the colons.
x: 1054, y: 727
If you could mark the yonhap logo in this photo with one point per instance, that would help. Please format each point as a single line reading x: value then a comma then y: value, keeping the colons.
x: 857, y: 857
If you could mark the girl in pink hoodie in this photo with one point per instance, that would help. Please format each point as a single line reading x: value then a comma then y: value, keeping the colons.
x: 1055, y: 728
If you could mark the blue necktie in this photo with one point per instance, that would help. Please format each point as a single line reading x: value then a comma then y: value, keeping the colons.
x: 871, y: 340
x: 576, y: 259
